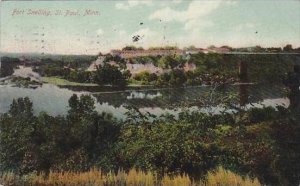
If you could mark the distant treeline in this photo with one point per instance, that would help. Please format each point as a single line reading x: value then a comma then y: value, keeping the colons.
x: 209, y: 68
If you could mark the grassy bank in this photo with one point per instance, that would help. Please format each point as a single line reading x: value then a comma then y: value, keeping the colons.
x: 60, y: 81
x: 94, y: 177
x: 63, y: 82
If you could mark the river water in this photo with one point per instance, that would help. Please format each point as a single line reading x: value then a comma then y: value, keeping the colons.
x: 54, y: 100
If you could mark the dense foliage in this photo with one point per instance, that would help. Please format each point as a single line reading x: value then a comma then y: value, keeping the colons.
x: 108, y: 74
x: 42, y: 142
x: 209, y: 69
x: 7, y: 66
x: 69, y: 69
x: 246, y: 142
x: 75, y: 72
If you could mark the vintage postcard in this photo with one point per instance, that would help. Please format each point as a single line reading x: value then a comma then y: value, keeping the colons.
x: 150, y: 93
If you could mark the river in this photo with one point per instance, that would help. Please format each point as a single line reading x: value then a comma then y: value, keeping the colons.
x: 54, y: 100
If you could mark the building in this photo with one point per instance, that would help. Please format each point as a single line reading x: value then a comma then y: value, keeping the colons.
x: 99, y: 61
x: 189, y: 67
x: 196, y: 51
x: 126, y: 54
x: 148, y: 67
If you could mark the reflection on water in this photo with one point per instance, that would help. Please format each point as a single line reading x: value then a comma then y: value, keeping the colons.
x: 54, y: 100
x: 196, y: 96
x: 142, y: 95
x: 48, y: 98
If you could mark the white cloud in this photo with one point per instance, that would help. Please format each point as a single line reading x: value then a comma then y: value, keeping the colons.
x: 132, y: 3
x: 169, y: 2
x: 244, y: 26
x: 193, y: 24
x: 122, y: 32
x: 231, y: 2
x: 168, y: 14
x: 177, y: 1
x: 195, y: 18
x: 196, y: 9
x: 100, y: 31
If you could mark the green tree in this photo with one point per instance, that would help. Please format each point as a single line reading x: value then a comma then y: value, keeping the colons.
x: 16, y: 130
x: 168, y: 62
x: 178, y: 77
x: 288, y: 48
x: 108, y: 74
x: 90, y: 132
x: 7, y: 66
x: 146, y: 77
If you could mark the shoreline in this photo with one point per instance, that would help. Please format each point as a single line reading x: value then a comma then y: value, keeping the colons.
x: 63, y: 83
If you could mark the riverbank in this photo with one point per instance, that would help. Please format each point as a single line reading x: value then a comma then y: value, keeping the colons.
x: 63, y: 82
x: 21, y: 82
x: 135, y: 85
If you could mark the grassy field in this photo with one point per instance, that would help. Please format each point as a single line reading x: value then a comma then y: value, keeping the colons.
x: 95, y: 177
x: 60, y: 81
x: 63, y: 82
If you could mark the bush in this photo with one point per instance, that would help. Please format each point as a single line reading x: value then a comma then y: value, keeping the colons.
x: 110, y: 75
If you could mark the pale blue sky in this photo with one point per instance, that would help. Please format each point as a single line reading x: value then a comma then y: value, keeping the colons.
x: 182, y: 23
